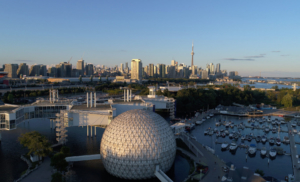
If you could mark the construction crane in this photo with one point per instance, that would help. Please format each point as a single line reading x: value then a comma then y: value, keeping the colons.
x: 70, y: 60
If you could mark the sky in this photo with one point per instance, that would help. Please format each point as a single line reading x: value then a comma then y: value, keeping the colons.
x: 245, y: 36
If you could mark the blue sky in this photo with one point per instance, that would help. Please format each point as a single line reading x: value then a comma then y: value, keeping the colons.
x: 245, y: 36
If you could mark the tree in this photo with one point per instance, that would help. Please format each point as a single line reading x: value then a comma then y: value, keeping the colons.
x: 58, y: 160
x: 10, y: 98
x: 247, y: 87
x: 260, y: 172
x: 36, y: 143
x: 287, y: 100
x: 56, y: 177
x: 80, y: 79
x: 91, y: 78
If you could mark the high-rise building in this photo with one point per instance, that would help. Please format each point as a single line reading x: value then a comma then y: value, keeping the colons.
x: 43, y: 70
x: 204, y: 74
x: 146, y: 70
x: 126, y: 65
x: 155, y: 72
x: 11, y: 69
x: 218, y: 68
x: 22, y: 70
x: 136, y: 69
x: 34, y: 70
x: 192, y: 54
x: 173, y: 63
x: 80, y: 66
x: 162, y: 70
x: 171, y: 72
x: 122, y: 67
x: 151, y: 70
x: 52, y: 72
x: 89, y: 69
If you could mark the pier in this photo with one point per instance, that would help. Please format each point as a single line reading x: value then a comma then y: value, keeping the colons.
x: 293, y: 154
x: 202, y: 154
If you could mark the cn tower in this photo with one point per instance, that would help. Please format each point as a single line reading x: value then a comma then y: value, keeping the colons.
x: 192, y: 54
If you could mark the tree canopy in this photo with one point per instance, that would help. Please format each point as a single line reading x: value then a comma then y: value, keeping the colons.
x: 58, y: 160
x: 287, y: 100
x: 36, y: 143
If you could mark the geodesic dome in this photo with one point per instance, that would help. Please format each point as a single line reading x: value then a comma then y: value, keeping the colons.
x: 135, y: 142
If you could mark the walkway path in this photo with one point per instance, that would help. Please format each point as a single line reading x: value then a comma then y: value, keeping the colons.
x: 293, y: 154
x: 41, y: 174
x: 214, y: 163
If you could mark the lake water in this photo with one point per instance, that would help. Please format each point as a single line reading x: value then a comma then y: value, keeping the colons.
x: 279, y: 167
x: 11, y: 166
x: 276, y: 79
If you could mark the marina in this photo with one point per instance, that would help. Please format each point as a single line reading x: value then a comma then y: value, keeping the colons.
x: 272, y: 149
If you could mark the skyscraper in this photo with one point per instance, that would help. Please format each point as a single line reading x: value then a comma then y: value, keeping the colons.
x: 151, y: 70
x: 121, y: 67
x: 11, y: 69
x: 80, y: 66
x: 43, y: 70
x: 34, y: 70
x: 22, y: 70
x: 136, y: 69
x: 173, y: 63
x: 89, y: 69
x: 52, y: 72
x: 218, y: 68
x: 192, y: 54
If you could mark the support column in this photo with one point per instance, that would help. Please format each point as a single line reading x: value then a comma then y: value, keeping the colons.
x: 124, y: 95
x: 95, y: 131
x: 130, y: 94
x: 91, y: 131
x: 91, y: 97
x: 53, y: 93
x: 87, y: 99
x: 50, y: 95
x: 95, y: 99
x: 57, y: 94
x: 0, y: 137
x: 87, y: 130
x: 127, y: 95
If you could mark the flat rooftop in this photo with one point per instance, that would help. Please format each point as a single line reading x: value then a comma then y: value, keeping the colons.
x: 83, y: 107
x: 122, y: 101
x: 5, y: 108
x: 47, y: 103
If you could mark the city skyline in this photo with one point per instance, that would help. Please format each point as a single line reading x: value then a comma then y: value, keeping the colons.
x: 226, y: 33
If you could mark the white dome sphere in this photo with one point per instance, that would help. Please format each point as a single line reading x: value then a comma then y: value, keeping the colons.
x: 135, y: 142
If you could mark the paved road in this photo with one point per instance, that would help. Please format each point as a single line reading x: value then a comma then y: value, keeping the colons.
x: 294, y: 153
x: 41, y: 174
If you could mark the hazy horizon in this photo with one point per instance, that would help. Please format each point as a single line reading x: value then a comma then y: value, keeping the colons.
x: 248, y: 37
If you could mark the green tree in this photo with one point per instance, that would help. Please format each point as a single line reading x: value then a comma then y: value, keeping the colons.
x: 10, y: 98
x: 58, y: 160
x: 287, y: 100
x: 91, y: 78
x: 80, y: 79
x: 57, y: 177
x: 36, y: 143
x: 275, y: 87
x: 247, y: 87
x: 260, y: 172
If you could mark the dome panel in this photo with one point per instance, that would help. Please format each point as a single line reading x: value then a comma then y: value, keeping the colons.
x: 135, y: 142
